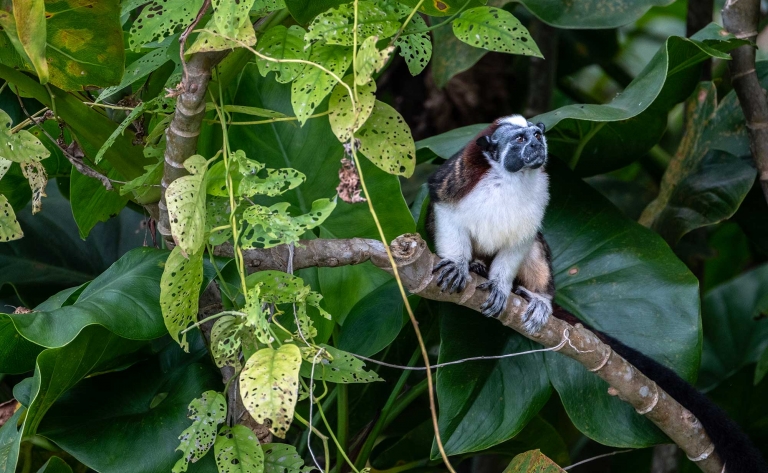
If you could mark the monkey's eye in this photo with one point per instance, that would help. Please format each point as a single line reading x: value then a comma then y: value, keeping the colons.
x: 537, y: 135
x: 520, y: 139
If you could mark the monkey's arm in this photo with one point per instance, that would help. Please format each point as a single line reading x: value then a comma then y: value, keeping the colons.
x: 501, y: 277
x: 536, y: 284
x: 453, y: 244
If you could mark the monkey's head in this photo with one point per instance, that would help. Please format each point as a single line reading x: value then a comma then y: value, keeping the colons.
x: 516, y: 144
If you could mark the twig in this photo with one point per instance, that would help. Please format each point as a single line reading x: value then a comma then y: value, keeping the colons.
x: 740, y: 18
x: 596, y: 458
x: 448, y: 363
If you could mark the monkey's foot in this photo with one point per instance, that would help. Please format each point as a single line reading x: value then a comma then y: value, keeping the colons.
x: 479, y: 268
x: 497, y: 299
x: 538, y: 311
x: 453, y: 276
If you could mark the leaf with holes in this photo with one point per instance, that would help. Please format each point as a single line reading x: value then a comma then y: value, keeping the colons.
x: 282, y: 458
x: 138, y: 70
x: 5, y: 165
x: 342, y: 117
x: 336, y: 26
x: 262, y: 7
x: 19, y: 147
x: 9, y: 226
x: 255, y: 318
x: 225, y: 342
x: 179, y: 288
x: 386, y: 140
x: 277, y: 182
x: 212, y: 39
x: 370, y: 60
x: 229, y: 15
x: 237, y: 450
x: 30, y: 27
x: 217, y: 215
x: 280, y: 42
x: 269, y: 386
x: 342, y: 368
x: 314, y: 84
x: 162, y: 19
x: 278, y: 287
x: 185, y: 198
x: 272, y: 226
x: 38, y: 179
x: 532, y: 462
x: 415, y: 48
x: 206, y: 413
x: 494, y: 29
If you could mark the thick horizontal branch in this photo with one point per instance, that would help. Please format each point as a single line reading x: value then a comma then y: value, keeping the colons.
x: 415, y: 263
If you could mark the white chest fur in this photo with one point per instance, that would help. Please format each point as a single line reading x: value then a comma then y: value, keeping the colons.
x: 503, y: 210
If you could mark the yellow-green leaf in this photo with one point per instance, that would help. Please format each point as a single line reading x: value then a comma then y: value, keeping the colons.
x: 339, y: 367
x: 314, y: 84
x: 206, y: 413
x: 269, y: 386
x: 342, y: 117
x: 185, y: 198
x: 229, y: 15
x: 494, y: 29
x: 532, y: 461
x: 280, y: 42
x: 272, y: 226
x: 30, y: 26
x: 370, y: 60
x: 277, y: 182
x: 336, y: 25
x: 161, y: 19
x: 19, y: 147
x: 225, y: 342
x: 237, y: 450
x: 386, y: 140
x: 5, y: 165
x: 255, y: 318
x: 38, y: 179
x: 9, y: 226
x: 179, y: 288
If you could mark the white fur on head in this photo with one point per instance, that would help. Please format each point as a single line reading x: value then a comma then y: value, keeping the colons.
x: 518, y: 120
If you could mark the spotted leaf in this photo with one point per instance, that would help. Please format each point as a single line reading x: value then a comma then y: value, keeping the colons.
x: 185, y: 198
x: 179, y: 288
x: 217, y: 215
x: 342, y: 367
x: 237, y: 450
x: 262, y: 7
x: 272, y: 226
x: 314, y: 84
x: 255, y: 317
x: 206, y: 413
x: 415, y: 48
x: 213, y: 39
x: 9, y: 226
x: 225, y: 342
x: 230, y: 14
x: 336, y: 25
x: 342, y: 118
x: 494, y: 29
x: 282, y: 458
x: 161, y: 19
x: 277, y: 182
x: 386, y: 140
x: 280, y: 42
x: 38, y: 179
x: 269, y: 386
x: 370, y: 60
x: 19, y: 147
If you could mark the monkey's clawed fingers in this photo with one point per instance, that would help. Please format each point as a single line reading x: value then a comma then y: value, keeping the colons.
x: 497, y: 299
x: 479, y: 268
x: 452, y: 277
x: 538, y: 311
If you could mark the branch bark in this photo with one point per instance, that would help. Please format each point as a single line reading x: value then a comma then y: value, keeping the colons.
x: 740, y: 18
x: 415, y: 263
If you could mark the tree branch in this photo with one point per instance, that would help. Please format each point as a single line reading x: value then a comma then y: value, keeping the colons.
x: 740, y: 18
x: 415, y: 263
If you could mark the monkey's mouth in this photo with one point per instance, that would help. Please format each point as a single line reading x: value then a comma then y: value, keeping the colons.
x: 535, y: 161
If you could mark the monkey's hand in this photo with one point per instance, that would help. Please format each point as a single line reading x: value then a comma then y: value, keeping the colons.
x: 452, y: 276
x: 497, y: 299
x: 538, y: 311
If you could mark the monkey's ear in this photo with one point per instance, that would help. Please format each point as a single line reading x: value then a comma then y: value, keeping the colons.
x: 484, y: 142
x: 541, y: 127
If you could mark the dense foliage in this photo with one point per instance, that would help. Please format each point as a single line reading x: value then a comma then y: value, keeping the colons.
x: 112, y: 363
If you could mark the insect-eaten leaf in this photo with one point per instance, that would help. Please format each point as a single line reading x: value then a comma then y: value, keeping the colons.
x: 339, y: 367
x: 225, y: 341
x: 386, y: 140
x: 344, y: 119
x: 19, y: 147
x: 415, y: 48
x: 255, y: 317
x: 161, y: 19
x: 228, y: 15
x: 272, y: 226
x: 494, y: 29
x: 237, y: 450
x: 336, y: 26
x: 185, y: 198
x: 314, y: 84
x: 206, y: 413
x: 262, y: 7
x: 269, y: 386
x: 276, y: 182
x: 216, y: 216
x: 212, y: 39
x: 9, y: 226
x: 283, y: 458
x: 38, y: 179
x: 179, y: 288
x: 282, y: 43
x: 370, y: 60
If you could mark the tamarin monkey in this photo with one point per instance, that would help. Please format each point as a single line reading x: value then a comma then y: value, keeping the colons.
x: 486, y: 207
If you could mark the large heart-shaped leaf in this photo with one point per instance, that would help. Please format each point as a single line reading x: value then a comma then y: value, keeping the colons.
x: 588, y: 14
x: 10, y: 440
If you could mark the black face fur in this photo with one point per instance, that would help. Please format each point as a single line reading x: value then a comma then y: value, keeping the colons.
x: 516, y: 147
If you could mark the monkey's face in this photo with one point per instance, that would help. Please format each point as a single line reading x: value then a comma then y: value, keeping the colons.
x: 516, y: 147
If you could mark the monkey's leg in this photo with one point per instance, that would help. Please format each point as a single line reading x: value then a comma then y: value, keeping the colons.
x: 504, y: 267
x: 536, y: 285
x: 453, y: 244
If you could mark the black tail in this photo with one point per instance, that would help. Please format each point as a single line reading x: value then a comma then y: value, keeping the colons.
x: 731, y: 443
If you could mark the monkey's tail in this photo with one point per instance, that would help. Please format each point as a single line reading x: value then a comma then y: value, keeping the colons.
x: 732, y: 445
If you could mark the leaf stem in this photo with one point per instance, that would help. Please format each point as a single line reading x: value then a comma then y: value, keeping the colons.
x: 335, y: 440
x: 405, y: 23
x: 211, y: 317
x: 342, y: 423
x: 580, y: 148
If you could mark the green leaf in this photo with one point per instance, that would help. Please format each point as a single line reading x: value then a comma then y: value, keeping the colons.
x: 10, y: 441
x: 386, y: 140
x: 277, y: 182
x: 92, y: 202
x: 269, y: 385
x: 451, y: 56
x: 212, y: 39
x: 238, y: 451
x: 494, y: 29
x: 30, y: 27
x: 55, y: 465
x: 179, y: 286
x: 262, y: 7
x: 731, y: 311
x: 229, y: 15
x: 138, y: 70
x: 415, y: 48
x: 17, y: 354
x: 130, y: 118
x: 152, y: 177
x: 341, y: 368
x: 479, y: 405
x: 313, y: 85
x: 225, y: 342
x: 9, y: 226
x: 442, y: 7
x: 281, y: 458
x: 762, y: 367
x: 186, y: 205
x: 21, y: 147
x: 206, y: 413
x: 342, y: 116
x: 12, y: 51
x: 590, y: 13
x: 254, y: 111
x: 85, y: 45
x: 280, y: 42
x: 139, y: 409
x: 693, y: 192
x: 336, y: 26
x: 272, y: 226
x: 305, y: 10
x: 161, y: 19
x: 532, y: 462
x: 370, y: 60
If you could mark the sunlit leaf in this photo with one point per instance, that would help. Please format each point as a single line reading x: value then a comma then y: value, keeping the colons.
x: 225, y: 342
x: 494, y: 29
x: 9, y: 226
x: 341, y: 368
x: 415, y: 48
x: 229, y: 15
x: 272, y: 226
x: 386, y: 140
x: 314, y: 84
x: 345, y: 119
x: 19, y: 147
x: 206, y: 413
x: 370, y: 60
x: 212, y: 39
x: 30, y: 27
x: 532, y: 462
x: 186, y: 205
x: 280, y: 42
x: 282, y: 458
x: 336, y: 26
x: 179, y: 288
x: 276, y: 182
x: 161, y: 19
x: 238, y: 451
